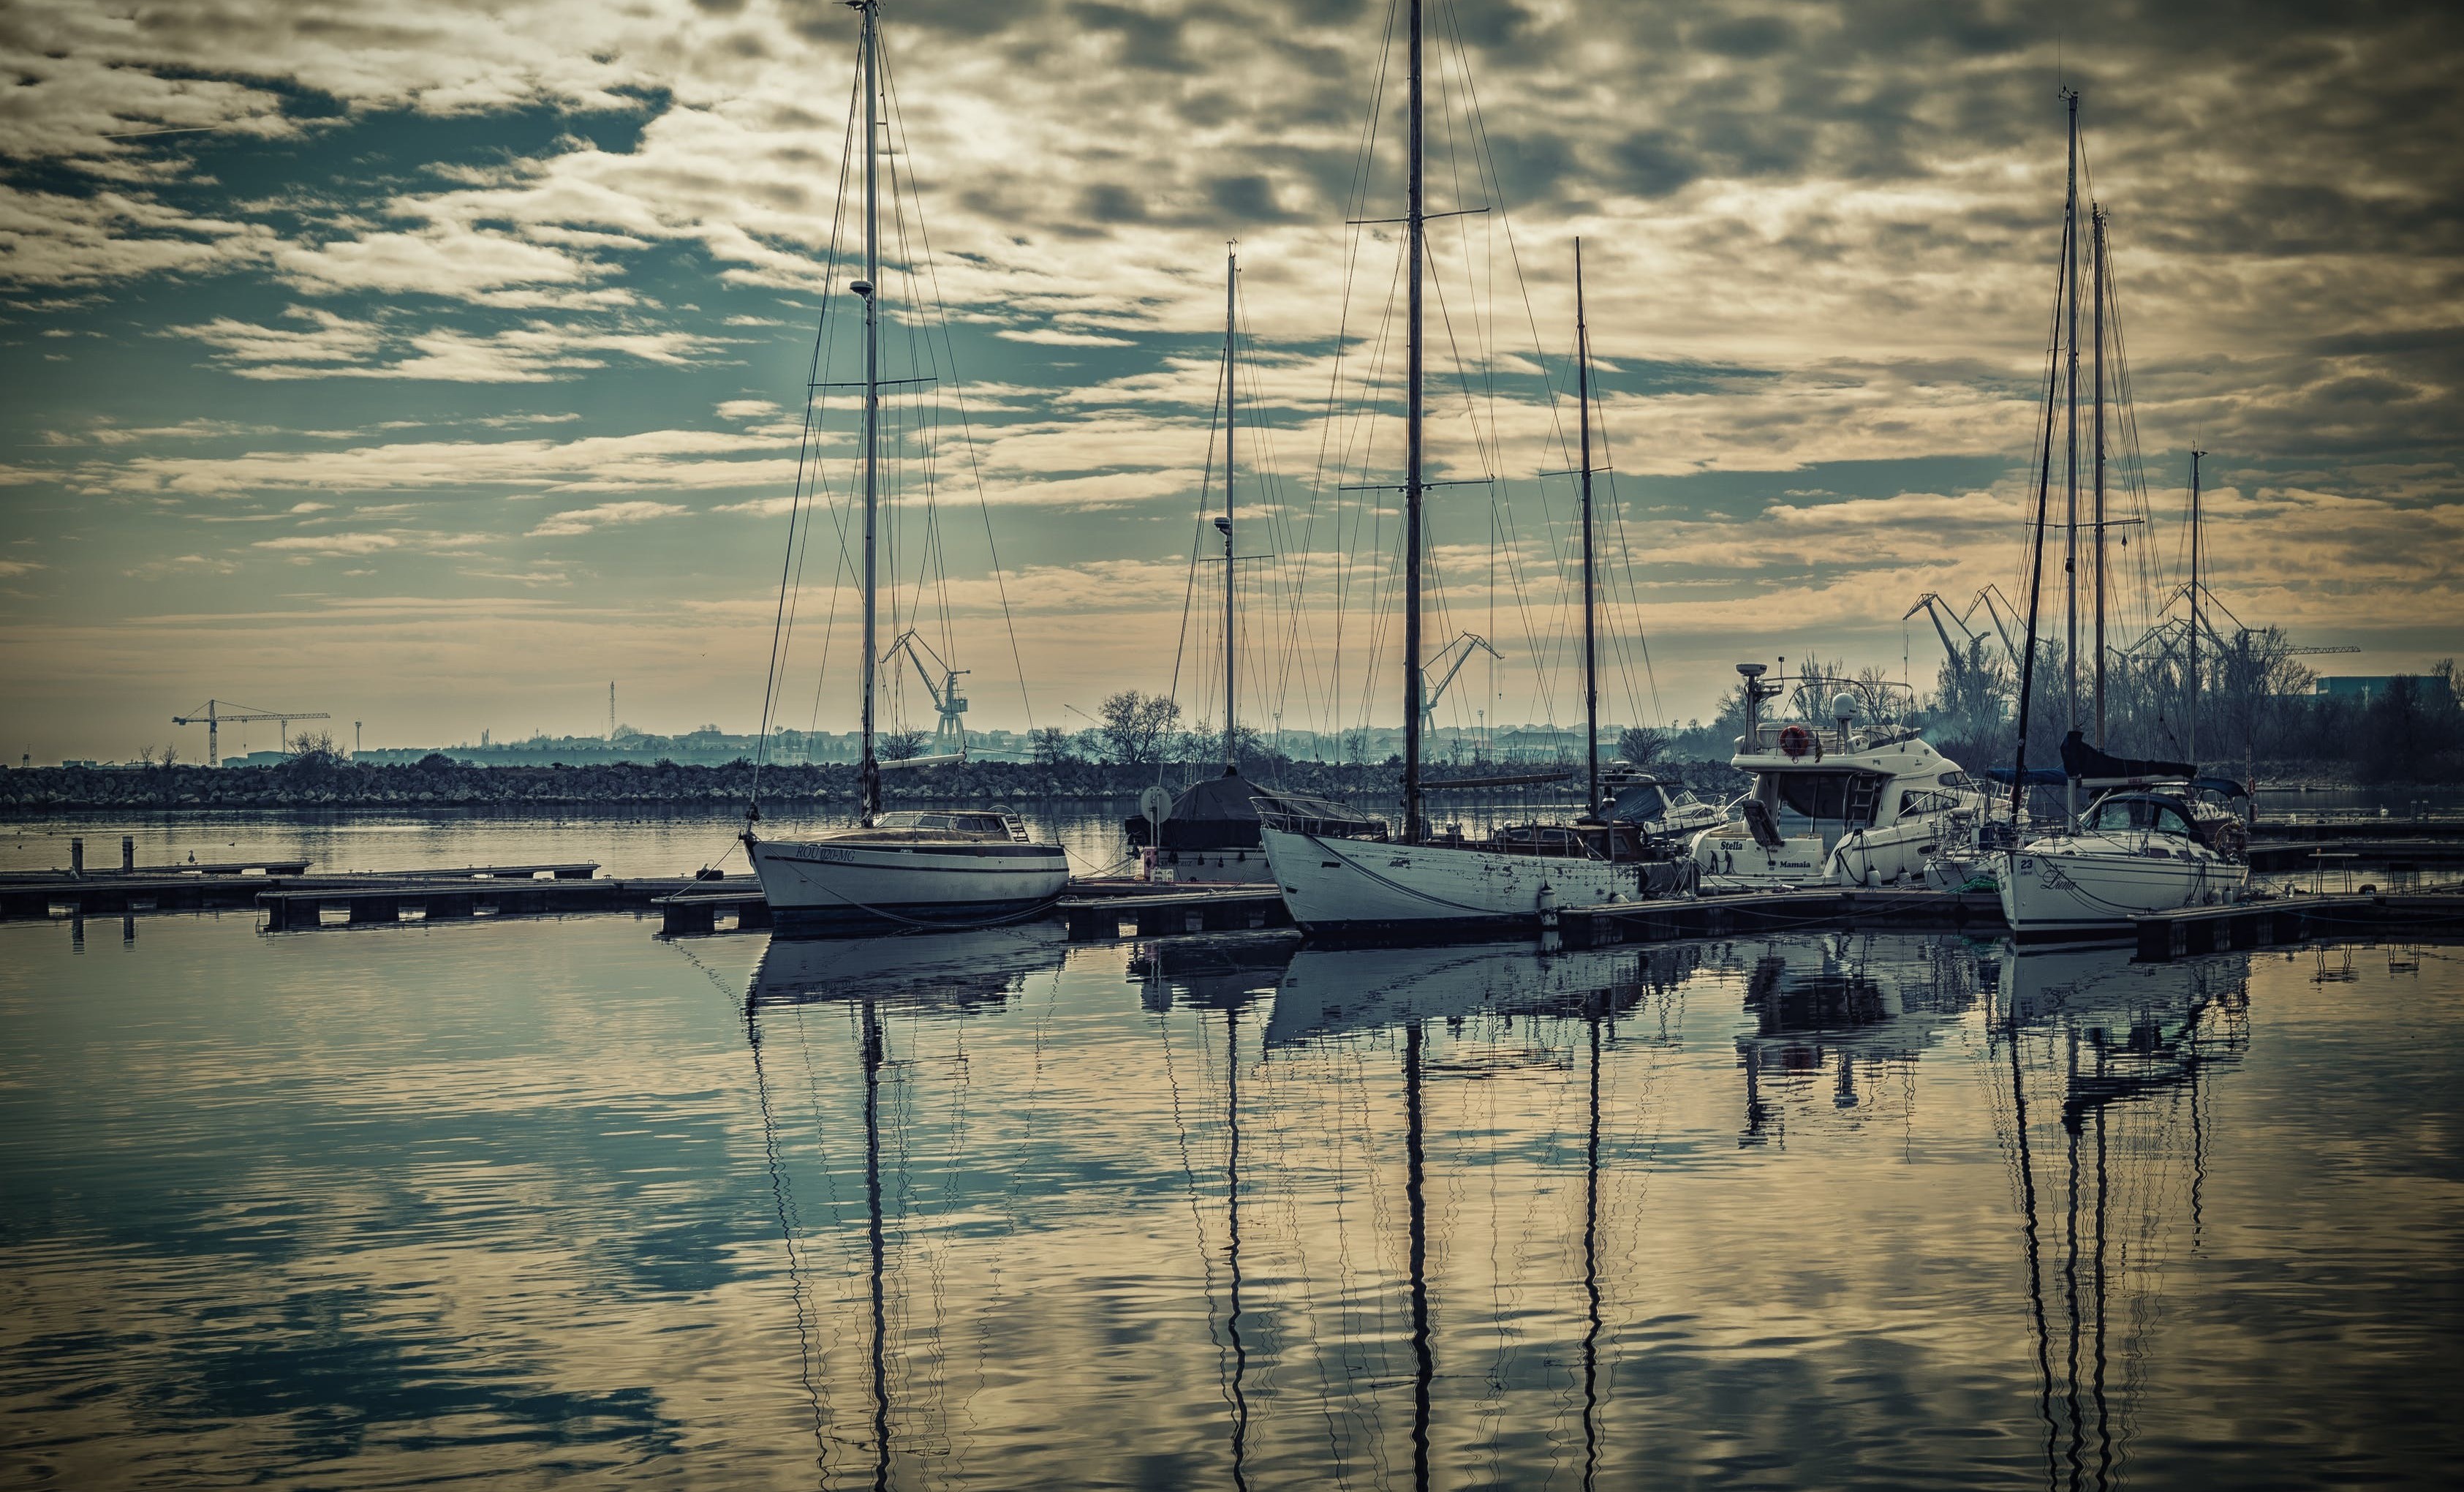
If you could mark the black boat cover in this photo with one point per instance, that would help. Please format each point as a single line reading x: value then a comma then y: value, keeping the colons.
x: 2083, y: 759
x: 1221, y: 814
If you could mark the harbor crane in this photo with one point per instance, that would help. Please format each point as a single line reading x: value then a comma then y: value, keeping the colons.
x: 1467, y: 643
x: 950, y: 734
x: 215, y: 715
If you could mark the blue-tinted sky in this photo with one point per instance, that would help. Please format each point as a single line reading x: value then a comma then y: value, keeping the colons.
x: 447, y: 361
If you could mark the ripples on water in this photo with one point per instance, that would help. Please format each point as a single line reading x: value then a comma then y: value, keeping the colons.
x: 523, y: 1201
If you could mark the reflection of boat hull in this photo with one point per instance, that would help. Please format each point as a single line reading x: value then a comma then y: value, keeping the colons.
x: 942, y: 967
x: 826, y: 886
x: 1326, y: 992
x: 1380, y: 888
x: 2090, y: 893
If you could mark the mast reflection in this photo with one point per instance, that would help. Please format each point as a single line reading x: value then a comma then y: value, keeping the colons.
x: 2133, y: 1048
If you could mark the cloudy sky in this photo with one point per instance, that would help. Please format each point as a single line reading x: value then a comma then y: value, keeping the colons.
x: 435, y: 364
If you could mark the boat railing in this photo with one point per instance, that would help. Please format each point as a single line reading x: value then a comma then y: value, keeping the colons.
x: 1320, y: 816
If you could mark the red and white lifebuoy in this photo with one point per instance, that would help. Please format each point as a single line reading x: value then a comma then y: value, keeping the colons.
x: 1796, y: 740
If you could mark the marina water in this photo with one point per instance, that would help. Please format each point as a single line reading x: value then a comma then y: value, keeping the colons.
x: 531, y: 1201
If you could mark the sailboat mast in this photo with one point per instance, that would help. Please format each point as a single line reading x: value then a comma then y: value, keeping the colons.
x: 1591, y: 636
x: 1231, y: 366
x: 2070, y: 439
x: 869, y: 771
x: 1417, y: 246
x: 2190, y: 748
x: 2096, y: 272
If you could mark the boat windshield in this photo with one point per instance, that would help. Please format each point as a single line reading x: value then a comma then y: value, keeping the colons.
x: 963, y: 823
x: 2138, y: 815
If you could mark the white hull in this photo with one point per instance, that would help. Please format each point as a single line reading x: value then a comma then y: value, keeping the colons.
x: 831, y: 885
x: 1370, y: 885
x: 2090, y: 886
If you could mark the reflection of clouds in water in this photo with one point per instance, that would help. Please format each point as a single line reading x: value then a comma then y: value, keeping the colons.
x: 525, y: 1184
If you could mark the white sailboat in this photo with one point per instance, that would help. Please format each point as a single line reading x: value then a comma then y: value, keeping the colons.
x: 2148, y: 844
x: 907, y: 870
x: 1414, y: 886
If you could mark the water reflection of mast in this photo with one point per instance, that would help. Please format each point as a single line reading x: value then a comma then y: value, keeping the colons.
x: 872, y: 1054
x: 1232, y: 1215
x: 782, y: 1203
x: 1592, y: 1259
x: 2028, y: 1201
x: 1423, y: 1363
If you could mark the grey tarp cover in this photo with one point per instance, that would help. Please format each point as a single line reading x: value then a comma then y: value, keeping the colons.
x: 1221, y: 814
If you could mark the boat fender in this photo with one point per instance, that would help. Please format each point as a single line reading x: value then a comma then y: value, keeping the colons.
x: 1547, y: 907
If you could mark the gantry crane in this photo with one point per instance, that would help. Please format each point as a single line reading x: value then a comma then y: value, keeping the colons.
x: 213, y: 716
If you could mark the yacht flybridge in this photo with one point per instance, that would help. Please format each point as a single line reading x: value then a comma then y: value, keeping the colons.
x: 904, y: 870
x: 1854, y: 806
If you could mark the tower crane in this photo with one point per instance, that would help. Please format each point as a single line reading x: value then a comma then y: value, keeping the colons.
x: 950, y: 734
x: 215, y: 715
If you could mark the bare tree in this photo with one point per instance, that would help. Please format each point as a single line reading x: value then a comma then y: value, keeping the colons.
x: 1049, y: 745
x: 900, y: 745
x: 1138, y: 727
x: 1642, y: 745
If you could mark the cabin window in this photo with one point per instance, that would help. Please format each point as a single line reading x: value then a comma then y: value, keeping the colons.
x: 1921, y: 802
x: 1956, y: 782
x: 932, y: 820
x: 981, y: 824
x: 2139, y: 815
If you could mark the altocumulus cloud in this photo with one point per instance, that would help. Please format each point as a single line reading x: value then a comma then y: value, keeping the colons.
x: 582, y: 521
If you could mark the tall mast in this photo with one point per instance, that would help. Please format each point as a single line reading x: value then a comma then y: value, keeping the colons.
x: 1417, y: 246
x: 2096, y: 272
x: 2037, y: 541
x: 1231, y: 280
x: 869, y: 772
x: 2191, y: 747
x: 2070, y: 438
x: 1590, y: 638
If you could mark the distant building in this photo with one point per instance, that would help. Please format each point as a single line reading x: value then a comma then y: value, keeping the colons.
x: 2428, y: 688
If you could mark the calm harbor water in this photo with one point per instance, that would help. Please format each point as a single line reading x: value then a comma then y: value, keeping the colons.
x: 557, y: 1200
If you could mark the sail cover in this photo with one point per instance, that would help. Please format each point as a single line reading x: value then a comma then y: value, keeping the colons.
x: 1221, y: 814
x: 2086, y: 762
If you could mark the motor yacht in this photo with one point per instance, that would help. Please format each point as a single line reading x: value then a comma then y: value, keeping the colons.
x: 1852, y: 805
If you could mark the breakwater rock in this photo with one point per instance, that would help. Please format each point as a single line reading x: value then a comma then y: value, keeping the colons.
x: 313, y: 783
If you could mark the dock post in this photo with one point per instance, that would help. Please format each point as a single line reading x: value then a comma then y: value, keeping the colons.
x: 77, y: 859
x: 128, y: 854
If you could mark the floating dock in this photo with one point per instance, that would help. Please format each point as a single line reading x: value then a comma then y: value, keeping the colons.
x: 55, y: 894
x: 1746, y: 912
x: 2194, y: 930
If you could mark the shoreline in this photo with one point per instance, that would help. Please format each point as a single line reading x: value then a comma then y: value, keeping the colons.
x: 314, y: 784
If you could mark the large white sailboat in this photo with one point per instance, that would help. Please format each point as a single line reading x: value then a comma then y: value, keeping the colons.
x: 2150, y: 843
x: 1855, y: 806
x: 1414, y: 886
x: 907, y: 870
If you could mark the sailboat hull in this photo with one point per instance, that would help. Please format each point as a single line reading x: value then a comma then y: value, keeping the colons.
x: 2082, y: 890
x: 818, y: 887
x: 1374, y: 889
